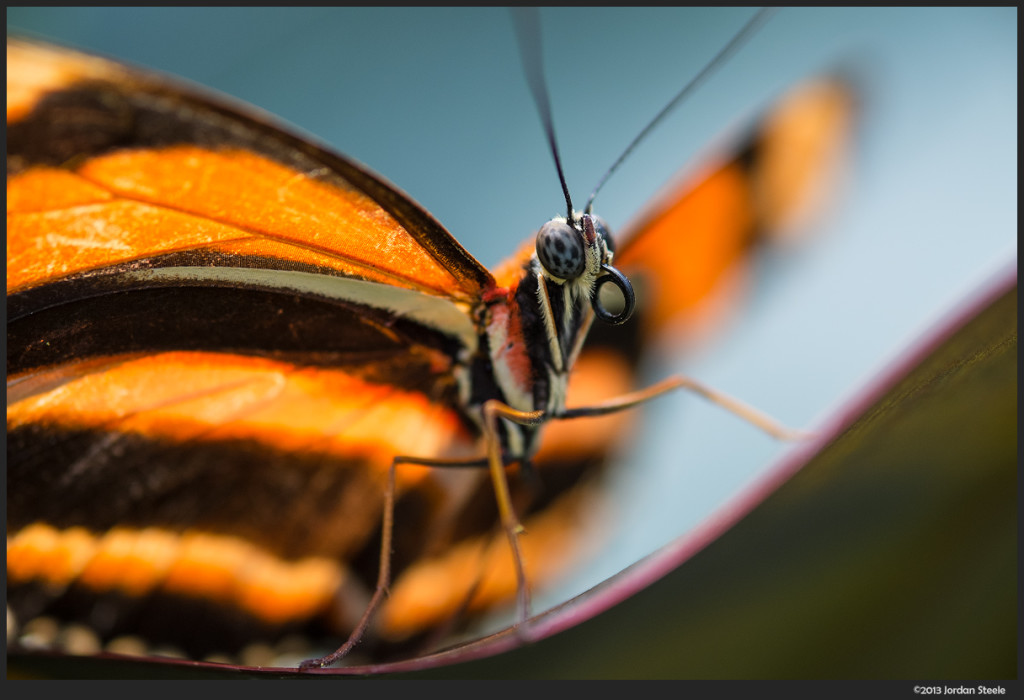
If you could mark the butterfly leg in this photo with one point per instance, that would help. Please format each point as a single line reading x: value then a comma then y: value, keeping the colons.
x: 493, y: 410
x: 383, y: 579
x: 735, y: 406
x: 384, y: 570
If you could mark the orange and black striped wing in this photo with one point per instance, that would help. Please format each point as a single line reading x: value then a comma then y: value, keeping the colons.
x: 219, y: 335
x: 142, y: 218
x: 689, y: 251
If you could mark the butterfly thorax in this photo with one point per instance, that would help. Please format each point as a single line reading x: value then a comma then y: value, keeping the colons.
x: 531, y: 336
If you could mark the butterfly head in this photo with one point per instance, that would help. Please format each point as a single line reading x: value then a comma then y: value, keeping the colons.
x: 579, y: 254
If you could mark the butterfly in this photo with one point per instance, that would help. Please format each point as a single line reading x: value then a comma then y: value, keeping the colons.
x: 222, y: 335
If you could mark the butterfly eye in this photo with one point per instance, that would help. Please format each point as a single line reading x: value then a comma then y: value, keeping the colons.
x: 560, y: 250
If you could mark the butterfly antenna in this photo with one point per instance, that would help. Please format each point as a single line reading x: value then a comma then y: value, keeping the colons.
x: 734, y: 45
x: 527, y: 24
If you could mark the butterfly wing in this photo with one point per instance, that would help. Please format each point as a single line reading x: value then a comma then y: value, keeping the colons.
x: 688, y: 253
x: 219, y: 335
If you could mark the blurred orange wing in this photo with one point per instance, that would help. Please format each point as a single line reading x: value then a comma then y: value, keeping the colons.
x: 689, y: 251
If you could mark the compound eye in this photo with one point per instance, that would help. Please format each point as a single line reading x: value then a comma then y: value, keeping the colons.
x: 560, y: 250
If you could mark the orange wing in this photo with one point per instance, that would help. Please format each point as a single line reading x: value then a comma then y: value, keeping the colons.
x: 219, y: 335
x: 97, y: 158
x: 689, y: 252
